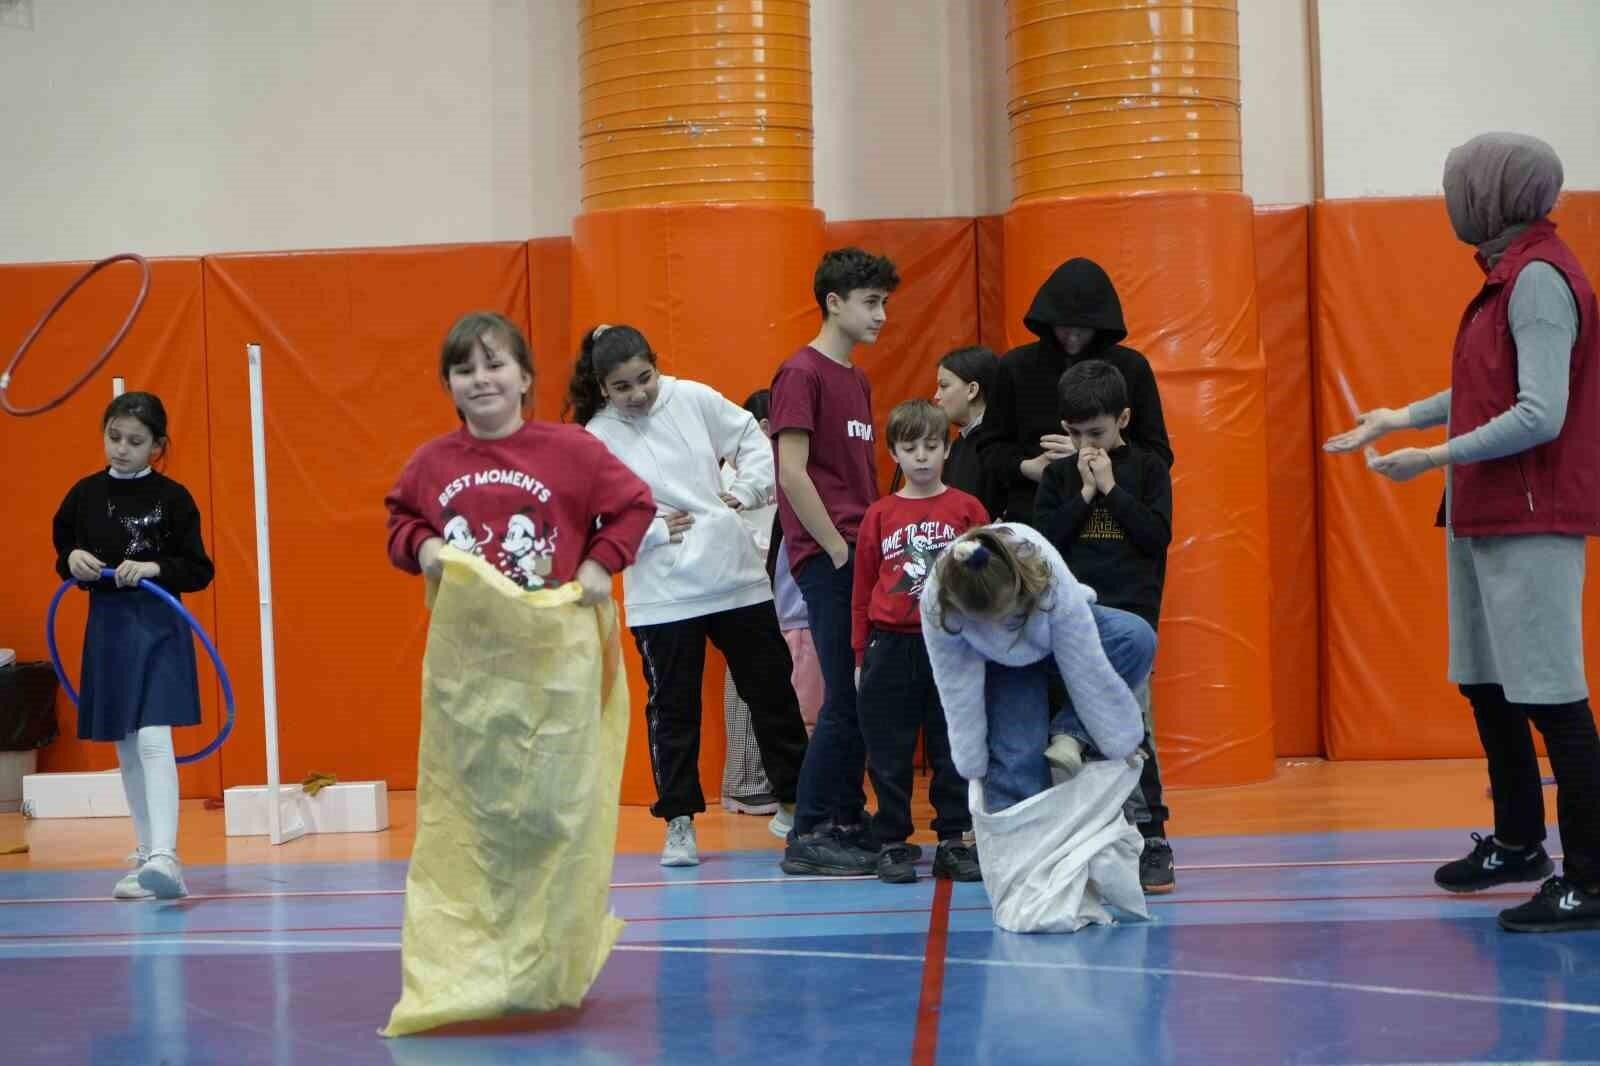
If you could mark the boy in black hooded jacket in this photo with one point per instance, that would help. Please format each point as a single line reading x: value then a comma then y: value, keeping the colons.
x: 1076, y: 315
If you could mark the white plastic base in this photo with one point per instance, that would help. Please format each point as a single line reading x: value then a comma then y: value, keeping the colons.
x: 348, y: 807
x: 14, y: 766
x: 74, y: 795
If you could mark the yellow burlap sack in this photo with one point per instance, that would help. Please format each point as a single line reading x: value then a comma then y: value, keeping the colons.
x: 524, y: 728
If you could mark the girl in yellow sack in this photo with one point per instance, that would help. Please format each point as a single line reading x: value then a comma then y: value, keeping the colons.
x: 519, y: 526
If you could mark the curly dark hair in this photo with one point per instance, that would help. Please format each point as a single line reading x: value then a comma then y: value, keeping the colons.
x: 844, y: 270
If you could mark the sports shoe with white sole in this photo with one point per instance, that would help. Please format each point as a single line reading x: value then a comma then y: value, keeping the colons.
x: 681, y: 849
x: 163, y: 876
x: 129, y: 887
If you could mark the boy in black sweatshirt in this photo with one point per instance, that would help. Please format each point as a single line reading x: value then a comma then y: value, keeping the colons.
x: 1076, y: 315
x: 1108, y: 510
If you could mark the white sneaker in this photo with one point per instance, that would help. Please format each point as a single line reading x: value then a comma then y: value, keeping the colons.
x: 129, y: 887
x: 681, y: 849
x: 1065, y: 753
x: 783, y: 822
x: 162, y: 876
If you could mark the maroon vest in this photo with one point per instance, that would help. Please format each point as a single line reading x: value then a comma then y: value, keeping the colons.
x: 1555, y: 487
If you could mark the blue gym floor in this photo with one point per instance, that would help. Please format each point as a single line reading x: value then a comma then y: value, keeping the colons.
x: 1333, y: 948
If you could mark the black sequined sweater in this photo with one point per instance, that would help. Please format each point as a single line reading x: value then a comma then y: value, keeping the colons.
x: 148, y: 519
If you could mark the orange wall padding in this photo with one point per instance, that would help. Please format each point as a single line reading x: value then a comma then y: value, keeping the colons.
x: 350, y: 348
x: 1283, y: 262
x: 991, y: 241
x: 1390, y: 281
x: 550, y: 311
x: 1184, y: 266
x: 351, y: 342
x: 934, y: 310
x: 686, y: 276
x: 164, y: 353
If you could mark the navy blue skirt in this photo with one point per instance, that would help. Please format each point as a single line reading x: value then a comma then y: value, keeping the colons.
x: 138, y: 666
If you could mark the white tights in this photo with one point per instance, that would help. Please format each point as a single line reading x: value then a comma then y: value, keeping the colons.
x: 150, y: 779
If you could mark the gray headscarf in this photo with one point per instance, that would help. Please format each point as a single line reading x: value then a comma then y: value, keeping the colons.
x: 1499, y: 182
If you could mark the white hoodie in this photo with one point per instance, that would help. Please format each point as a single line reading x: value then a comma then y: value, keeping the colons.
x: 678, y: 448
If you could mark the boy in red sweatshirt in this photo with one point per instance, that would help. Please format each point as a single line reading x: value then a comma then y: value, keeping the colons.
x: 900, y: 537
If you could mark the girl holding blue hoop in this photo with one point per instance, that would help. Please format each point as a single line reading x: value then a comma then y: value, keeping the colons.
x: 139, y: 676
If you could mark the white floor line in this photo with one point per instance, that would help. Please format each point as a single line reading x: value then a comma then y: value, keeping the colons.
x: 1141, y: 971
x: 909, y: 959
x: 720, y: 882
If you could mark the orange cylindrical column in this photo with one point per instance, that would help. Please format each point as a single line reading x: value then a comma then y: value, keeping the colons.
x: 695, y: 101
x: 1110, y: 96
x: 1124, y: 123
x: 697, y: 223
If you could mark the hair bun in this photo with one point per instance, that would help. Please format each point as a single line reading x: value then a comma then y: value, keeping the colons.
x: 970, y: 553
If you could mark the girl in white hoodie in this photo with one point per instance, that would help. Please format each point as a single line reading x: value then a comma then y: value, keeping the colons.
x: 698, y: 575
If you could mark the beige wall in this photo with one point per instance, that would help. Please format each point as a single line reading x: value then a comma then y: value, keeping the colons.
x: 1403, y: 81
x: 186, y: 126
x: 909, y: 107
x: 1275, y: 101
x: 189, y: 126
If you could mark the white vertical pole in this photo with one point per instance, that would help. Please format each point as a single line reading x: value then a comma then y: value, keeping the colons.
x: 118, y: 387
x: 269, y: 668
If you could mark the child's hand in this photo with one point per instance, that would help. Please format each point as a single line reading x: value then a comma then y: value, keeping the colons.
x: 1135, y: 759
x: 1057, y: 446
x: 83, y: 566
x: 1033, y: 469
x: 1086, y: 475
x: 595, y: 580
x: 733, y: 502
x: 678, y: 523
x: 1100, y: 466
x: 428, y: 557
x: 131, y: 573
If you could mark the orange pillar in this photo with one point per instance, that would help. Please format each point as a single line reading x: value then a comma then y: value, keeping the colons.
x: 1125, y: 149
x: 697, y: 224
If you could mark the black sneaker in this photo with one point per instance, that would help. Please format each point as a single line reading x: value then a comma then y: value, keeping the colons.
x: 825, y: 853
x: 861, y: 837
x: 1558, y: 907
x: 896, y: 864
x: 1156, y: 876
x: 1490, y: 865
x: 956, y: 860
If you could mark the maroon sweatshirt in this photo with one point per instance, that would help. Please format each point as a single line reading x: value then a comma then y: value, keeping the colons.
x: 535, y: 504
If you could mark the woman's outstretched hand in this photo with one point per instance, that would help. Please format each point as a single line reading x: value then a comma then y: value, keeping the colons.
x: 1402, y: 464
x: 1370, y: 425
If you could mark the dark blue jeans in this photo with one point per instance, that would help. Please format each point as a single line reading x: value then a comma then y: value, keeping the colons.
x: 836, y: 759
x: 898, y: 700
x: 1021, y: 719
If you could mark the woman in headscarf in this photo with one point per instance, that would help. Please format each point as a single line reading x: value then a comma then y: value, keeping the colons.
x: 1522, y: 492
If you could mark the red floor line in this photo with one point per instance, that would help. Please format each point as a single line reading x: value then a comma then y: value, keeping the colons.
x: 925, y: 1048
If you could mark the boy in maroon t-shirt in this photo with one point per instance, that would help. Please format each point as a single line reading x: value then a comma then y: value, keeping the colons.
x: 900, y: 537
x: 822, y: 421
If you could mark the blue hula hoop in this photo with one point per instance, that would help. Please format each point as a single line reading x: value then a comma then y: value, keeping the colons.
x: 194, y: 624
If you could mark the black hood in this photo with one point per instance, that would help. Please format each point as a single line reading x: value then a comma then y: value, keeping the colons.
x: 1079, y: 293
